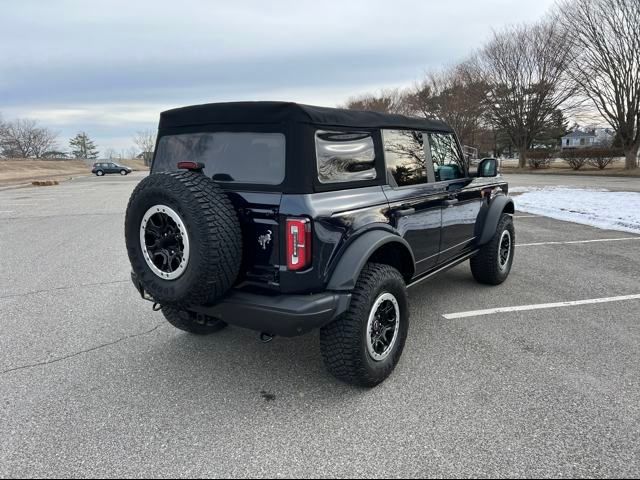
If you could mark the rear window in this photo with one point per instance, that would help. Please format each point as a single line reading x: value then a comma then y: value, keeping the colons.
x: 228, y: 156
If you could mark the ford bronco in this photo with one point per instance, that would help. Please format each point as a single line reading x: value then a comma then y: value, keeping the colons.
x: 286, y: 218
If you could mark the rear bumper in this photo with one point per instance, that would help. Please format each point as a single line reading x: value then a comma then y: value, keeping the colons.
x: 281, y: 315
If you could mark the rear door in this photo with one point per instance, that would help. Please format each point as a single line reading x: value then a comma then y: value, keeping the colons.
x: 249, y: 166
x: 258, y: 213
x: 415, y: 199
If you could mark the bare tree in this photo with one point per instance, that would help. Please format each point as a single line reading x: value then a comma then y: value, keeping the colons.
x: 605, y: 36
x: 455, y: 95
x: 25, y: 139
x: 525, y: 71
x: 145, y: 140
x: 386, y: 101
x: 110, y: 154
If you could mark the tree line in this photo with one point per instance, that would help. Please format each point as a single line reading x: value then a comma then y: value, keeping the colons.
x: 25, y: 138
x: 518, y: 91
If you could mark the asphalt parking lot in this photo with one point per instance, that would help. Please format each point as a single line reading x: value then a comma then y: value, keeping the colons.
x: 93, y: 383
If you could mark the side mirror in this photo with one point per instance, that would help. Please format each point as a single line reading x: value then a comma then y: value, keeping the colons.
x: 488, y: 168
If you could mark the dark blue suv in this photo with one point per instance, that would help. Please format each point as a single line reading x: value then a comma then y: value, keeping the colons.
x: 285, y: 218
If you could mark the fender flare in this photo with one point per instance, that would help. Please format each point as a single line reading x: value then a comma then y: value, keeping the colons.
x: 492, y: 214
x: 355, y: 257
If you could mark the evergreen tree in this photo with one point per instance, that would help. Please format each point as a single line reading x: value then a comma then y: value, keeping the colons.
x: 554, y: 129
x: 83, y: 147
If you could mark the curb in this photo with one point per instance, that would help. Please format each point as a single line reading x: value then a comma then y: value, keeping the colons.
x: 31, y: 183
x: 14, y: 187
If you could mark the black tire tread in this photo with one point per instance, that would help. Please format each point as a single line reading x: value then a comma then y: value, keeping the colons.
x: 189, y: 322
x: 485, y: 266
x: 341, y: 341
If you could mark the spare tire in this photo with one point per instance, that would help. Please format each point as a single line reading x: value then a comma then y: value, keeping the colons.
x: 183, y: 238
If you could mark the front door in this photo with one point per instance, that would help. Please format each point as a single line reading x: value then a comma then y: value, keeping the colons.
x: 459, y: 218
x: 463, y: 196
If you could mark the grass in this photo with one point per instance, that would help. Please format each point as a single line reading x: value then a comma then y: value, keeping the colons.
x: 559, y: 167
x: 593, y: 172
x: 134, y: 164
x: 15, y: 172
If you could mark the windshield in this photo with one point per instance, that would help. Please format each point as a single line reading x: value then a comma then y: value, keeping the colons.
x: 244, y: 157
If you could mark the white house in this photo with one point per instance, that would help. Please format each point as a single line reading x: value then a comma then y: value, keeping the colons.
x: 597, y: 137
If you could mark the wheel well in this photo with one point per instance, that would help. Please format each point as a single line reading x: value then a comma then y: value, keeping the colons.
x: 508, y: 208
x: 397, y: 256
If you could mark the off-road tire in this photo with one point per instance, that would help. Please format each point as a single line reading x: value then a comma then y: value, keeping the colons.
x: 191, y: 322
x: 214, y: 232
x: 344, y: 342
x: 485, y: 266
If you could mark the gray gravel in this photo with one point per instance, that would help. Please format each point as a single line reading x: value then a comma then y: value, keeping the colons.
x: 93, y: 383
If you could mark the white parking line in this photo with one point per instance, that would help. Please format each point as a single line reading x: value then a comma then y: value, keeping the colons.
x: 540, y: 306
x: 623, y: 239
x: 6, y: 211
x: 527, y: 216
x: 20, y: 205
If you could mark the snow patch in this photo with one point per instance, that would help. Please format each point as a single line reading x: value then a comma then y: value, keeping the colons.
x: 597, y: 208
x: 551, y: 189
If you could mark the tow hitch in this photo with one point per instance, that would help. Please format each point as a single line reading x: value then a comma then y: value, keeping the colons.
x: 143, y: 294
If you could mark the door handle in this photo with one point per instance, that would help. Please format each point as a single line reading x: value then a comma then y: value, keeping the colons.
x: 451, y: 201
x: 403, y: 212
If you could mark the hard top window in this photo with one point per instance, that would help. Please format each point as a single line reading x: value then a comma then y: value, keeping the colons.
x: 405, y: 157
x: 345, y: 156
x: 448, y: 162
x: 242, y: 157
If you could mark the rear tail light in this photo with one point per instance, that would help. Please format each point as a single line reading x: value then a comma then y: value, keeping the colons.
x: 299, y: 253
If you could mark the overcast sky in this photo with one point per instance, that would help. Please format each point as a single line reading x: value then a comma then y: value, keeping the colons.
x: 110, y: 67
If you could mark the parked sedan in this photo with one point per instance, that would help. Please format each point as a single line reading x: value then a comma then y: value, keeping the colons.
x: 101, y: 169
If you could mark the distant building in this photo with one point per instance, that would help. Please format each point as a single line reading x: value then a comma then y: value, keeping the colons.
x: 597, y: 137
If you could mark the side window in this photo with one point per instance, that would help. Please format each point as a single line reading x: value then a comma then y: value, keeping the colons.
x: 345, y: 156
x: 448, y: 162
x: 405, y: 157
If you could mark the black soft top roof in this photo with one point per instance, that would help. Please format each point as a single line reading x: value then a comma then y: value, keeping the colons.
x: 287, y: 112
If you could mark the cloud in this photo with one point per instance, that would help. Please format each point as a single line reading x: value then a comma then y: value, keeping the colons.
x: 114, y: 65
x: 152, y: 80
